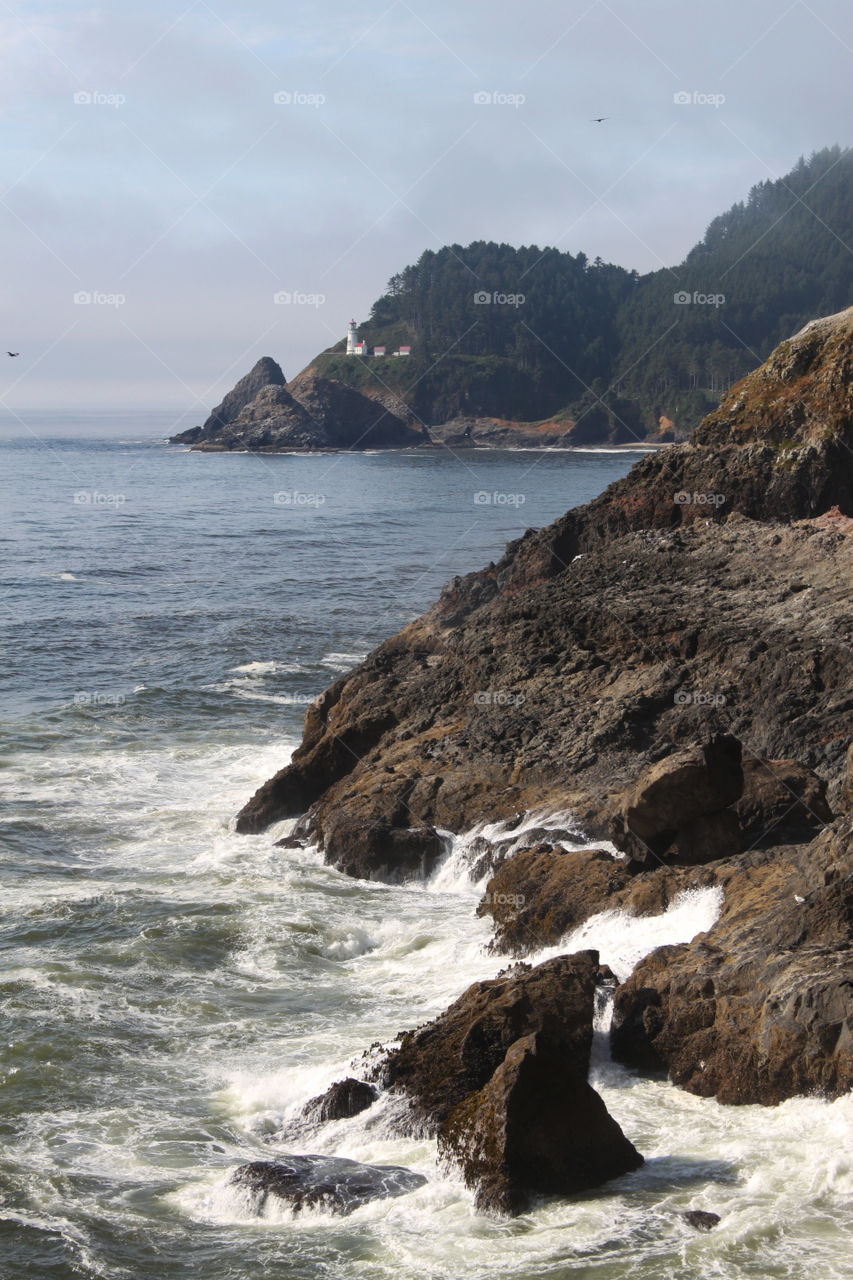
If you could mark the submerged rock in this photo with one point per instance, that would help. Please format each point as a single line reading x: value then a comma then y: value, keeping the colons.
x: 701, y: 1219
x: 328, y: 1183
x: 500, y: 1078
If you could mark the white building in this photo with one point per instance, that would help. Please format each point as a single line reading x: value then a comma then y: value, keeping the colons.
x: 352, y: 338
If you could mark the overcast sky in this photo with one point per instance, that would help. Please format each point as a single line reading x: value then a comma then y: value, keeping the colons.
x: 183, y: 165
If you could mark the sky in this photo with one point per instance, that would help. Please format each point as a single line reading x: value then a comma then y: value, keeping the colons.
x: 190, y: 186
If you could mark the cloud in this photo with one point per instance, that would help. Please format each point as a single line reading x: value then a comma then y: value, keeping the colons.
x: 182, y: 184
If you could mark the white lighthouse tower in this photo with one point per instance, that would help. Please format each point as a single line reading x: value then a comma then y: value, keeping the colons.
x: 352, y: 338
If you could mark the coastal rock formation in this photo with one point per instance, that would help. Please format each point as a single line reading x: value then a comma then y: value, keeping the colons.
x: 328, y: 1183
x: 262, y: 414
x: 341, y: 1100
x: 679, y: 810
x: 501, y: 1079
x: 671, y: 664
x: 622, y: 633
x: 759, y: 1008
x: 266, y: 373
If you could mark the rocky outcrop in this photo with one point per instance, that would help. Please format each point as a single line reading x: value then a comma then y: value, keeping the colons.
x: 759, y: 1008
x: 343, y: 1099
x: 266, y: 373
x: 622, y: 633
x: 680, y: 809
x: 672, y: 664
x: 263, y: 415
x: 535, y: 1130
x: 329, y: 1184
x: 500, y: 1079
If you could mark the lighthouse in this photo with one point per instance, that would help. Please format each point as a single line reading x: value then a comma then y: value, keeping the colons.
x: 352, y: 338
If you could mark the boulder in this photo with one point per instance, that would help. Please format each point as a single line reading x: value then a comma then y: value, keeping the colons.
x: 538, y: 895
x: 676, y: 811
x: 341, y: 1100
x: 328, y: 1183
x: 500, y: 1079
x: 437, y: 1066
x: 701, y: 1219
x: 534, y: 1129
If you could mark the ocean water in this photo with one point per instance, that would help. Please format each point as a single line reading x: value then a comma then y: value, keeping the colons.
x: 173, y: 993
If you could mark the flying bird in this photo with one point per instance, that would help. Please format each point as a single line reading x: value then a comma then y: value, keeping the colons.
x: 599, y: 119
x: 13, y: 353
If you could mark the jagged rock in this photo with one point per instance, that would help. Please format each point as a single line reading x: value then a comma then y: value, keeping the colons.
x: 329, y: 1183
x: 262, y: 414
x: 341, y: 1100
x: 534, y: 1129
x: 759, y: 1008
x: 266, y: 373
x: 677, y: 808
x: 781, y: 798
x: 500, y: 1079
x: 439, y: 1065
x: 538, y: 895
x: 631, y: 628
x: 701, y: 1219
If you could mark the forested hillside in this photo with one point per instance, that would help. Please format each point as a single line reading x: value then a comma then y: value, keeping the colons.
x: 530, y: 333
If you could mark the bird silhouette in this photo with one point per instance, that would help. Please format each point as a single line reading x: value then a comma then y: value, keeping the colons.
x: 599, y: 119
x: 13, y: 353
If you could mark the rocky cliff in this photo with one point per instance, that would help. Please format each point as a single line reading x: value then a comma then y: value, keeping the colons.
x: 672, y: 666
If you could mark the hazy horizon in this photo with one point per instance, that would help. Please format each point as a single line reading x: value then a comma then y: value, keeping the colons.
x: 168, y: 175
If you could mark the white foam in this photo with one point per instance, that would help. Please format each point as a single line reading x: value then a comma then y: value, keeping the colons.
x: 623, y: 940
x: 272, y: 668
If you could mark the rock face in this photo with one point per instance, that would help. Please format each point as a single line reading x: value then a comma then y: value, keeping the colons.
x: 759, y: 1009
x: 622, y: 633
x: 262, y: 414
x: 327, y: 1183
x: 501, y: 1079
x: 672, y: 664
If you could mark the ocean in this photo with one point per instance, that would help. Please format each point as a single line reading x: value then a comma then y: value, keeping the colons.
x: 173, y: 993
